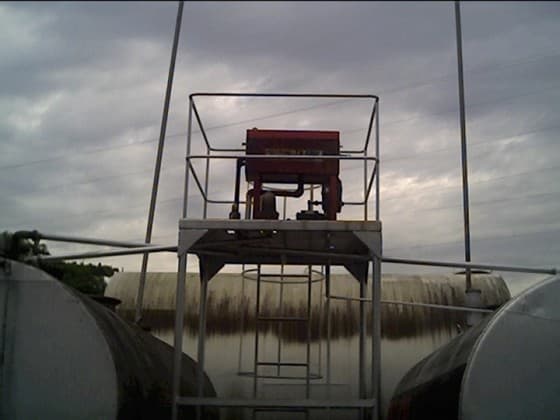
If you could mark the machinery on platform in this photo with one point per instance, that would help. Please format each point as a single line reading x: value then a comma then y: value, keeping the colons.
x: 313, y: 171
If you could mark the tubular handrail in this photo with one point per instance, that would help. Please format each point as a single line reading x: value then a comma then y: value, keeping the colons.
x: 368, y: 135
x: 362, y: 154
x: 99, y: 254
x: 36, y: 235
x: 203, y: 193
x: 416, y: 304
x: 136, y: 247
x: 283, y: 157
x: 280, y: 95
x: 265, y: 278
x: 513, y: 269
x: 287, y: 95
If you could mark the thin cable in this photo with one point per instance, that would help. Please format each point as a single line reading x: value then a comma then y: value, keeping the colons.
x: 82, y: 152
x: 96, y: 213
x: 94, y: 180
x: 415, y: 246
x: 385, y: 160
x: 153, y: 140
x: 548, y: 89
x: 484, y: 203
x: 478, y: 238
x: 180, y: 134
x: 482, y: 181
x: 487, y: 142
x: 396, y: 197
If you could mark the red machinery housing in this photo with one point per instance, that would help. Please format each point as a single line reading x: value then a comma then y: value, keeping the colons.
x: 315, y: 170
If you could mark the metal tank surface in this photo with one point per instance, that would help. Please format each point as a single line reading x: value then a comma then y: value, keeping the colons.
x: 64, y: 355
x: 233, y: 298
x: 505, y: 367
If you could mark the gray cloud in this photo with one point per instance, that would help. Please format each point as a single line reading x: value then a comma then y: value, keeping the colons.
x: 82, y: 93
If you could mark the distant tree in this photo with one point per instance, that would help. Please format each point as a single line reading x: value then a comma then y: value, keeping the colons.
x: 19, y: 248
x: 86, y: 278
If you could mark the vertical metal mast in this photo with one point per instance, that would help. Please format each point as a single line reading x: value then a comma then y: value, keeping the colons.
x: 157, y: 170
x: 463, y: 145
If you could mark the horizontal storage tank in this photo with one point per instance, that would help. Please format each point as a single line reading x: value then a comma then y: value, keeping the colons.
x: 231, y: 298
x: 506, y: 367
x: 67, y: 356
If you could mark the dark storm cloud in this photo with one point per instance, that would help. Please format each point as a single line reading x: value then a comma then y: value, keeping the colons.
x: 84, y: 76
x: 62, y: 38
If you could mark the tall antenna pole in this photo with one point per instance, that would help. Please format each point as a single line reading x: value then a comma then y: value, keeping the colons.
x: 157, y: 170
x: 463, y: 145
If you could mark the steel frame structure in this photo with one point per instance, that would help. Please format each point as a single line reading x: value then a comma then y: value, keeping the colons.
x: 364, y: 153
x: 353, y: 244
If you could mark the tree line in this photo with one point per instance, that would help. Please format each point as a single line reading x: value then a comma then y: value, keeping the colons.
x: 86, y: 278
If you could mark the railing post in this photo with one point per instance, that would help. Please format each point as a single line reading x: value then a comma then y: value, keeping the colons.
x: 179, y: 325
x: 376, y: 334
x: 201, y: 336
x: 187, y: 157
x: 465, y: 171
x: 377, y: 165
x: 159, y: 157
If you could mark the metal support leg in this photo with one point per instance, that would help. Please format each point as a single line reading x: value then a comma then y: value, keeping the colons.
x: 362, y: 344
x: 257, y: 191
x: 320, y: 355
x: 201, y: 337
x: 328, y: 311
x: 308, y: 348
x: 178, y: 340
x: 257, y: 311
x: 376, y: 334
x: 280, y: 309
x: 242, y: 322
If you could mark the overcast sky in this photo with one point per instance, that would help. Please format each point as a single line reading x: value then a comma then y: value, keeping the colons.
x: 82, y: 88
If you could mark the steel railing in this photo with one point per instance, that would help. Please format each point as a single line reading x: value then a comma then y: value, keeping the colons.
x: 367, y: 154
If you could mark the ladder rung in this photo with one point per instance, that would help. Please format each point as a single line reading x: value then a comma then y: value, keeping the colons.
x: 282, y: 319
x: 307, y: 403
x: 280, y: 409
x: 312, y: 376
x: 295, y: 276
x: 281, y: 364
x: 287, y: 377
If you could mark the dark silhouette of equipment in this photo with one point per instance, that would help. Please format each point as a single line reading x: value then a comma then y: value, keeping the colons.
x: 300, y: 171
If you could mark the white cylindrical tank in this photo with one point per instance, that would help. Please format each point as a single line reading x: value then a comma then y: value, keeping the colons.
x: 64, y: 356
x: 505, y: 367
x: 512, y: 372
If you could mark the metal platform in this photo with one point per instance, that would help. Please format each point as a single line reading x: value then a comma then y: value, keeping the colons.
x: 217, y: 242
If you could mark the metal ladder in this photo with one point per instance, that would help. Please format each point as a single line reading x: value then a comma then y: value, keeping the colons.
x: 279, y: 320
